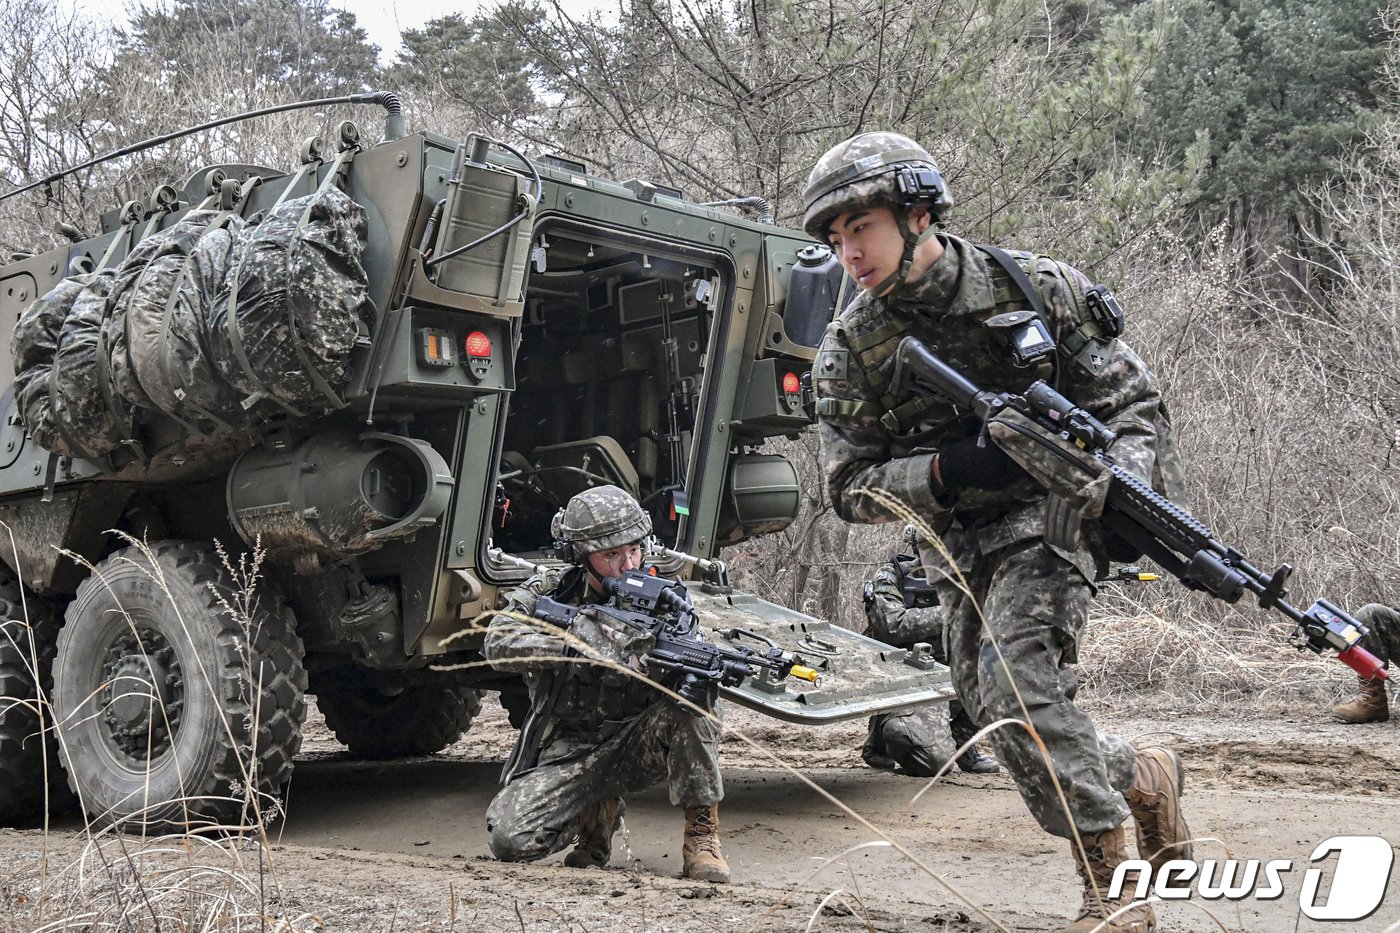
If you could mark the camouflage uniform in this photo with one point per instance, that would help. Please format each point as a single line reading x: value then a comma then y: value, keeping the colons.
x: 1384, y: 623
x: 920, y: 740
x: 608, y: 735
x: 1035, y: 595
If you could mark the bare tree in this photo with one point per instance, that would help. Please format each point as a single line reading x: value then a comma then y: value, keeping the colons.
x: 46, y: 123
x: 724, y: 100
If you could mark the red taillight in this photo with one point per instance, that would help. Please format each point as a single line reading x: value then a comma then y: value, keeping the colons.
x: 791, y: 384
x: 478, y: 345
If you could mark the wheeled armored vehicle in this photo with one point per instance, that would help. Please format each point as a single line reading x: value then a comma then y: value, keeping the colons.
x: 277, y: 432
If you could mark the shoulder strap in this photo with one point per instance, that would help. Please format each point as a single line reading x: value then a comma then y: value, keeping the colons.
x: 1023, y: 282
x: 1069, y: 345
x: 1018, y: 275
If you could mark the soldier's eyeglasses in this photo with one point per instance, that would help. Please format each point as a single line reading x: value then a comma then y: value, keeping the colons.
x: 631, y: 553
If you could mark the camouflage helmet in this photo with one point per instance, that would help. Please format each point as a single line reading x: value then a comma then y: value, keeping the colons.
x: 872, y: 169
x: 599, y: 519
x: 911, y: 539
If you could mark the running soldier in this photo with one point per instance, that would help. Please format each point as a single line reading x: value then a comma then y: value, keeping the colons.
x: 1003, y: 320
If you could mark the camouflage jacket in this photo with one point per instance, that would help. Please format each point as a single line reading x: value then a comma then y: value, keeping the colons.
x: 590, y: 693
x: 895, y: 623
x: 873, y: 440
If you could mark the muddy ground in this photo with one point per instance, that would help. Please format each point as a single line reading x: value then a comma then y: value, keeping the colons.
x: 401, y: 846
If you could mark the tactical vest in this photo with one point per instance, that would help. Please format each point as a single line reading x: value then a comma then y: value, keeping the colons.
x: 1082, y: 347
x: 590, y: 694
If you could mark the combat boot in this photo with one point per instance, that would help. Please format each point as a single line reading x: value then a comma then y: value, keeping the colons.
x: 1155, y: 799
x: 1370, y: 705
x: 1105, y: 852
x: 595, y: 834
x: 974, y: 760
x: 700, y: 851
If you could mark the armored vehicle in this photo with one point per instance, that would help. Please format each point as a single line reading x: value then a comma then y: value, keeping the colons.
x: 272, y: 433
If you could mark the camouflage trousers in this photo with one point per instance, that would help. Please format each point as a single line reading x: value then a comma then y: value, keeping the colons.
x: 538, y: 813
x: 1384, y: 623
x: 918, y: 740
x: 1035, y: 604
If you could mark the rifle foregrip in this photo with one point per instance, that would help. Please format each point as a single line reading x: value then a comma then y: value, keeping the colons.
x: 555, y: 619
x: 944, y: 378
x: 560, y: 615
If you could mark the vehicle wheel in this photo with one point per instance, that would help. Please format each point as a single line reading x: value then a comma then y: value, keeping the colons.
x: 28, y: 753
x: 176, y: 692
x: 381, y: 723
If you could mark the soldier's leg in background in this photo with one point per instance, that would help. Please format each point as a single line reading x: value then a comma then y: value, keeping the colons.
x: 918, y: 740
x: 961, y: 727
x: 873, y: 752
x: 1384, y: 623
x: 1037, y: 604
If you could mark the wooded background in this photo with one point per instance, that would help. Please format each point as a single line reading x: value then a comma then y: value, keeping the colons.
x: 1231, y: 168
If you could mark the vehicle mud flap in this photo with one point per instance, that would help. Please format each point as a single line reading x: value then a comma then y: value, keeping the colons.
x: 858, y: 675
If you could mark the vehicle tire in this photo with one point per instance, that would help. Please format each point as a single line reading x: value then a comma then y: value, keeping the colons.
x: 381, y: 723
x: 177, y: 691
x: 29, y: 764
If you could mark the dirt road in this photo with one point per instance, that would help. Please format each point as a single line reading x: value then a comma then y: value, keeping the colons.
x: 402, y: 846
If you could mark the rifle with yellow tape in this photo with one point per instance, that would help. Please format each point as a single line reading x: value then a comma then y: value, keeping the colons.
x: 678, y: 658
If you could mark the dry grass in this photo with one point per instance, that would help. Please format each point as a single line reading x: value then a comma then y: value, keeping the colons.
x: 178, y: 882
x: 212, y: 877
x: 1148, y: 660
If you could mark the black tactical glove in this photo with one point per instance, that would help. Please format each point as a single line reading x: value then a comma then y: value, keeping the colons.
x: 962, y: 464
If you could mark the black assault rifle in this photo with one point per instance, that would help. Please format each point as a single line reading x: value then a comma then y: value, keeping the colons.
x: 914, y: 585
x: 1133, y: 510
x: 679, y: 658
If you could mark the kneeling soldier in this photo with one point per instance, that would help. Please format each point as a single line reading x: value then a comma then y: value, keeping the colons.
x: 901, y: 609
x: 595, y: 733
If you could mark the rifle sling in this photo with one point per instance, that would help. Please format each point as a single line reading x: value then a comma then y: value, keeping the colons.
x: 525, y: 754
